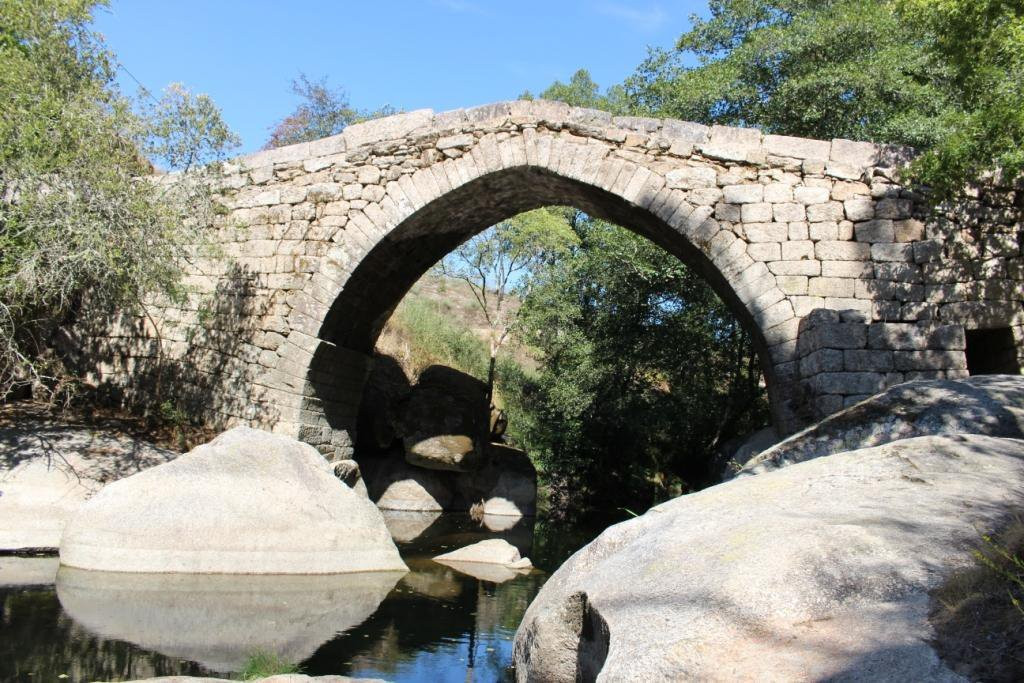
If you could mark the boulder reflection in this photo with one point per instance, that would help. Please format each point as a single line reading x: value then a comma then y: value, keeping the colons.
x: 220, y: 620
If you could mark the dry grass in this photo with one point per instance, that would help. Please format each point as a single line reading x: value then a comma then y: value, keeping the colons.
x: 978, y: 613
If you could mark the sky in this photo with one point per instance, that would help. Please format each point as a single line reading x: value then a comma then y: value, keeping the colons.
x: 410, y: 54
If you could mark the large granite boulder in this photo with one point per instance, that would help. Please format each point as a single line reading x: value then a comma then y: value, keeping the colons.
x: 50, y: 466
x: 219, y: 621
x: 248, y: 502
x: 817, y: 571
x: 394, y: 484
x: 986, y: 404
x: 446, y: 421
x: 505, y: 484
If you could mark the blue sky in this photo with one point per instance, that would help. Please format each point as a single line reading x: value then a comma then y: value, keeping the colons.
x: 441, y: 54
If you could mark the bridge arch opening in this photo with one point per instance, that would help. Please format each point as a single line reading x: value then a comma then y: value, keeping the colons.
x: 387, y: 270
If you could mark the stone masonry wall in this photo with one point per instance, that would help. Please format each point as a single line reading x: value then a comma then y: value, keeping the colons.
x: 848, y: 282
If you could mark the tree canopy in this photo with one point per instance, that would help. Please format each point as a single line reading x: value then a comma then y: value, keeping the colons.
x: 77, y: 213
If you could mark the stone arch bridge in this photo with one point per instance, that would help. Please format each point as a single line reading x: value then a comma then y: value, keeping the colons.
x: 845, y: 280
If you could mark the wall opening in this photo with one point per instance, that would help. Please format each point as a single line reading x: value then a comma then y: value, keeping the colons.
x: 992, y: 352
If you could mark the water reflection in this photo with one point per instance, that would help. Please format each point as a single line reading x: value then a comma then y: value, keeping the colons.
x: 434, y: 623
x: 219, y: 621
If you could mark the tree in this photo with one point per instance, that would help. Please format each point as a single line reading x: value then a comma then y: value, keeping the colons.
x: 497, y: 264
x: 813, y: 68
x: 323, y: 112
x: 982, y: 44
x: 643, y: 372
x: 582, y: 91
x: 80, y: 212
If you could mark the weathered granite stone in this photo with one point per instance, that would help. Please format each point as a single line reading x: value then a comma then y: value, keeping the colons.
x: 816, y: 571
x: 248, y: 502
x: 992, y: 405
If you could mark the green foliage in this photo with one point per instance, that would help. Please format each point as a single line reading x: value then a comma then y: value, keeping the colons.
x: 982, y: 42
x: 500, y: 261
x: 76, y: 214
x: 263, y: 664
x: 1006, y: 564
x: 814, y: 68
x: 322, y: 112
x: 644, y: 371
x: 582, y: 91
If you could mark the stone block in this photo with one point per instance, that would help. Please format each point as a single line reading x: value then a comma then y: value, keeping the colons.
x: 798, y: 148
x: 811, y: 195
x: 776, y: 193
x: 847, y: 269
x: 929, y: 360
x: 879, y: 230
x: 861, y: 307
x: 899, y: 272
x: 797, y: 250
x: 766, y: 232
x: 803, y: 305
x: 827, y: 231
x: 927, y: 250
x: 743, y: 194
x: 789, y: 212
x: 801, y: 267
x: 908, y: 230
x: 822, y: 360
x: 756, y: 213
x: 833, y: 335
x: 842, y: 251
x: 854, y: 153
x: 831, y: 286
x: 867, y: 360
x: 728, y: 212
x: 848, y: 383
x: 792, y: 284
x: 842, y: 191
x: 798, y: 231
x: 892, y: 252
x: 732, y: 144
x: 893, y: 208
x: 828, y: 211
x: 684, y: 130
x: 690, y: 177
x: 859, y: 209
x: 764, y: 251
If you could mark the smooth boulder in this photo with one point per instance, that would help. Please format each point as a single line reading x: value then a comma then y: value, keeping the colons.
x: 248, y: 502
x: 505, y: 484
x: 986, y: 404
x: 817, y: 571
x: 445, y: 423
x: 394, y: 484
x: 489, y: 551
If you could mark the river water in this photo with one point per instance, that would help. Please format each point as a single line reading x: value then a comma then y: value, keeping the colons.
x: 433, y: 623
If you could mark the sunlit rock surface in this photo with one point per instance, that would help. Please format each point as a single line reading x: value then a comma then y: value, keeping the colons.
x: 986, y: 404
x: 219, y: 620
x: 248, y: 502
x: 496, y: 551
x: 816, y: 571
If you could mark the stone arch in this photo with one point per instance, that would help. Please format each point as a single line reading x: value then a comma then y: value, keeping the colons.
x: 424, y: 215
x: 849, y: 282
